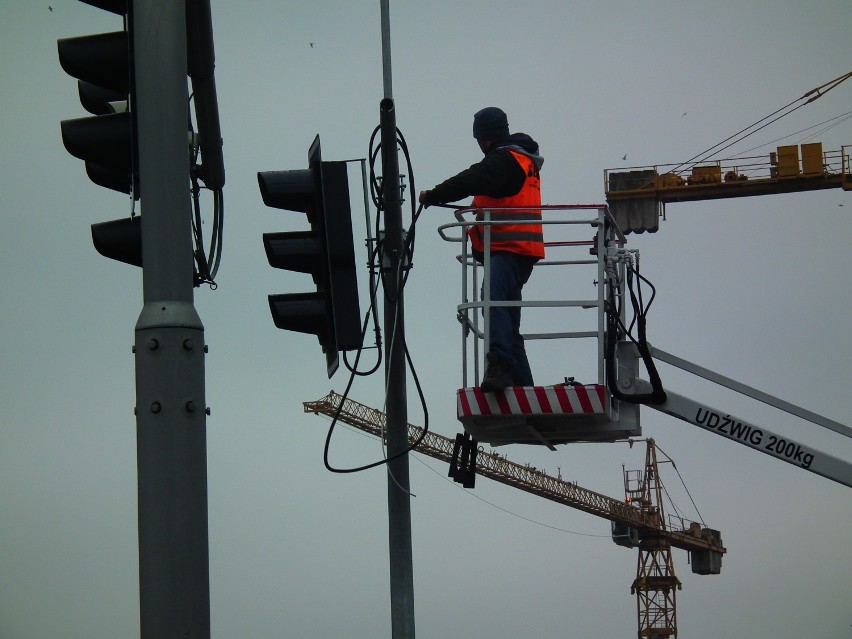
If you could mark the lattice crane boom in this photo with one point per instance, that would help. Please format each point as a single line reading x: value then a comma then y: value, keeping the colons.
x: 524, y: 477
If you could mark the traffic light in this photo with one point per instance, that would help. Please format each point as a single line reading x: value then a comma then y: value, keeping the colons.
x: 106, y: 140
x: 326, y: 252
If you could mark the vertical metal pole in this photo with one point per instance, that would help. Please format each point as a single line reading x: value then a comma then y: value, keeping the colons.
x: 399, y: 502
x: 387, y: 75
x: 399, y: 497
x: 601, y: 238
x: 466, y: 329
x: 486, y: 284
x: 174, y: 589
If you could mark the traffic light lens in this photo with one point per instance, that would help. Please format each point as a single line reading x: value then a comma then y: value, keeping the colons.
x: 119, y: 240
x: 103, y: 140
x: 301, y: 312
x: 100, y: 59
x: 289, y: 190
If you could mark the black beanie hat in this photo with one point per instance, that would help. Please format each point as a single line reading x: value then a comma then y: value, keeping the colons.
x: 490, y: 123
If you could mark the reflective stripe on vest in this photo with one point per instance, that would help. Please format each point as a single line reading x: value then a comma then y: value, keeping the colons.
x: 522, y: 238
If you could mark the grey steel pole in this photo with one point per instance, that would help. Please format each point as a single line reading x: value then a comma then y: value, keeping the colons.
x: 387, y: 74
x: 174, y: 590
x: 399, y: 496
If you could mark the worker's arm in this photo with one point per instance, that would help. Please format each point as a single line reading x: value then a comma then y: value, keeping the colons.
x: 497, y: 175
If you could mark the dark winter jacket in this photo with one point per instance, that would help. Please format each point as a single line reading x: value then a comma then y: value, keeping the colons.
x: 497, y: 175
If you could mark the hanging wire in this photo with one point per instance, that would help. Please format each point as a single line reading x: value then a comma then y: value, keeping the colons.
x: 683, y: 483
x: 837, y: 120
x: 207, y: 260
x: 616, y: 327
x: 401, y: 278
x: 764, y: 122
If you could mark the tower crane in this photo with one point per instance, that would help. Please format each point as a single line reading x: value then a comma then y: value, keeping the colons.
x: 638, y: 520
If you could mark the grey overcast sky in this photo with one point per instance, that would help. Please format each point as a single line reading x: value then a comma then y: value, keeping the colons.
x: 757, y: 289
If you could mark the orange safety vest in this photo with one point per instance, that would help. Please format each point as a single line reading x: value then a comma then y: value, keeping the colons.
x: 524, y: 238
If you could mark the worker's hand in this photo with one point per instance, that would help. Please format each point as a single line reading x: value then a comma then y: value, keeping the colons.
x: 422, y: 199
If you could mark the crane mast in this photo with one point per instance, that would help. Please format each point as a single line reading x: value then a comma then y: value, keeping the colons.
x: 656, y: 584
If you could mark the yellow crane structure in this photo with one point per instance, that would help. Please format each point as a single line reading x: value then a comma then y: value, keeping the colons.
x: 787, y: 169
x: 637, y: 195
x: 637, y: 521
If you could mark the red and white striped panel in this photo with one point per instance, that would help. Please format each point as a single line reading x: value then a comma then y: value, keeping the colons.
x: 533, y: 400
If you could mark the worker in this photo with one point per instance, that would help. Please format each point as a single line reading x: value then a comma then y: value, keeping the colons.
x: 508, y: 176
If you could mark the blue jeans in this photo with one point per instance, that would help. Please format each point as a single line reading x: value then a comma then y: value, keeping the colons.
x: 509, y: 273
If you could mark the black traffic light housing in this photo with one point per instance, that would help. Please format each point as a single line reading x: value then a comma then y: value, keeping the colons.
x: 106, y: 141
x: 326, y: 252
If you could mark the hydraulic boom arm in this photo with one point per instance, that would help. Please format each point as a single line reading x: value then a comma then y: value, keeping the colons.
x: 741, y: 431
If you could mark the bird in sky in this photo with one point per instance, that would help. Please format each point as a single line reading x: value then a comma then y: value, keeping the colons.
x: 624, y: 157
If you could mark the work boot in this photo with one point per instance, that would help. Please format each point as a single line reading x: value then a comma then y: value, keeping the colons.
x: 497, y: 376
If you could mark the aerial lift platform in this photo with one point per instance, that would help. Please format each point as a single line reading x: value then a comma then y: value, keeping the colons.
x: 563, y: 412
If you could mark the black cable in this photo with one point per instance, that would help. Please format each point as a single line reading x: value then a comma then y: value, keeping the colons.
x: 339, y: 409
x: 375, y: 257
x: 615, y: 327
x: 206, y: 261
x: 402, y: 272
x: 377, y: 195
x: 370, y: 312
